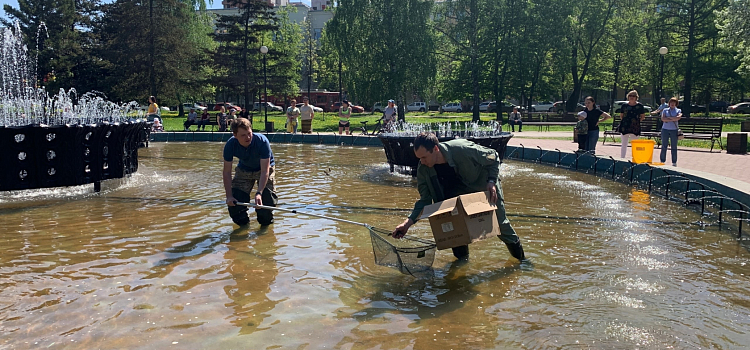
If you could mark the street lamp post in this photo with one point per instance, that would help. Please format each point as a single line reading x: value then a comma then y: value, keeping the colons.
x: 264, y: 51
x: 662, y: 51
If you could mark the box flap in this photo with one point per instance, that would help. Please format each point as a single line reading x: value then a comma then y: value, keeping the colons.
x: 439, y: 208
x: 477, y: 202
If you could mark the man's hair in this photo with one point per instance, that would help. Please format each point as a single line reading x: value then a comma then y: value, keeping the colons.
x: 427, y: 140
x: 305, y: 98
x: 675, y: 100
x: 294, y: 102
x: 241, y: 123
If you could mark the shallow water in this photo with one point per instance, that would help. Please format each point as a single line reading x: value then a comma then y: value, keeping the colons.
x: 154, y: 261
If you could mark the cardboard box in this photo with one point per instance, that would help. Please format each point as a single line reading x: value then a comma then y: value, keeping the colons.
x: 462, y: 220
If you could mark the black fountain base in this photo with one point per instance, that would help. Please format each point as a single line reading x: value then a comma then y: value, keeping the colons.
x: 400, y: 149
x: 36, y: 156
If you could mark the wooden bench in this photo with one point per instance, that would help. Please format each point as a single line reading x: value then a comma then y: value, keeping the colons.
x: 650, y: 128
x: 708, y: 129
x: 547, y: 120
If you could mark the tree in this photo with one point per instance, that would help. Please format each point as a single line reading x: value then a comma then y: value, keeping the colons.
x: 161, y: 60
x: 693, y: 23
x: 56, y: 34
x: 389, y: 42
x: 238, y: 58
x: 587, y: 27
x: 735, y: 30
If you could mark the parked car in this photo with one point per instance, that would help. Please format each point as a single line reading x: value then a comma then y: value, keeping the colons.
x: 355, y: 109
x: 258, y: 106
x: 195, y: 106
x: 379, y: 107
x: 452, y: 107
x: 740, y: 108
x: 617, y: 107
x: 164, y: 108
x: 228, y: 106
x: 416, y: 106
x: 559, y: 107
x: 316, y: 109
x: 484, y: 106
x: 543, y: 106
x: 718, y: 106
x: 506, y: 108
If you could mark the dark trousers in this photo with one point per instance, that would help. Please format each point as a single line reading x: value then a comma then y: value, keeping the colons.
x: 583, y: 140
x: 593, y: 138
x: 513, y: 124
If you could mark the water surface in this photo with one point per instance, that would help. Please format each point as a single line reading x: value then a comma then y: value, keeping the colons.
x: 155, y: 262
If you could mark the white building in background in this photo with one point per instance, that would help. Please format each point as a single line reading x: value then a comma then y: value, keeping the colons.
x: 316, y: 13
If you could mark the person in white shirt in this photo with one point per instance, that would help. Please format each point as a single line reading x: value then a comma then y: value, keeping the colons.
x: 389, y: 115
x: 192, y: 119
x: 307, y: 113
x: 515, y: 119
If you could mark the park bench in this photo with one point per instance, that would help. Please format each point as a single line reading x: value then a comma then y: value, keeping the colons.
x: 555, y: 120
x: 213, y: 122
x: 650, y: 128
x: 708, y: 129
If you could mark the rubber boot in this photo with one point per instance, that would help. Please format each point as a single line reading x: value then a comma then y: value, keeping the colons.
x: 516, y: 250
x: 461, y: 252
x: 238, y: 213
x: 265, y: 216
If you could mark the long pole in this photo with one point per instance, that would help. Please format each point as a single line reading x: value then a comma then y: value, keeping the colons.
x: 661, y: 78
x: 265, y: 90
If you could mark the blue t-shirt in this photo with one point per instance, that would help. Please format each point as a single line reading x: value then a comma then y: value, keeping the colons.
x: 249, y: 157
x: 670, y: 113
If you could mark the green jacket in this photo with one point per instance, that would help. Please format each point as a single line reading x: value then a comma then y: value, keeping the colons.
x: 474, y: 165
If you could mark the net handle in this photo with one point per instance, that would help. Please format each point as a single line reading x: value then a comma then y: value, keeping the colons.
x: 303, y: 213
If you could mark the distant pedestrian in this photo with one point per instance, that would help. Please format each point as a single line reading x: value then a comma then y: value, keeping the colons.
x: 345, y: 112
x: 244, y: 113
x: 307, y: 114
x: 594, y: 116
x: 390, y: 114
x: 664, y: 105
x: 631, y: 115
x: 669, y: 130
x: 292, y: 113
x: 515, y: 119
x: 153, y: 109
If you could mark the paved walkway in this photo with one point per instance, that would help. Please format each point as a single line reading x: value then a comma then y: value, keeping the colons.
x: 736, y: 168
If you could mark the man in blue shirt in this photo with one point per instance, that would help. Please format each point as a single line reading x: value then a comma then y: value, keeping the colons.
x: 256, y: 164
x: 664, y: 105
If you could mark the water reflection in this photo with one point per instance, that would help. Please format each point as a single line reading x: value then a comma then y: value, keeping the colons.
x: 155, y: 262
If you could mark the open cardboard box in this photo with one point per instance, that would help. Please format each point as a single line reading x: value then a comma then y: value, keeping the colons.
x: 462, y: 220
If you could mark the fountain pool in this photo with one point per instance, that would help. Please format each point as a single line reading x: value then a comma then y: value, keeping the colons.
x: 154, y: 261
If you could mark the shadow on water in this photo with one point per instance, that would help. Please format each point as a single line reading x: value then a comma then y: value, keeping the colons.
x: 448, y: 290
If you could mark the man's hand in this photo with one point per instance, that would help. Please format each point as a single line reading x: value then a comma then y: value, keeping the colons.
x: 231, y: 201
x: 258, y: 199
x: 493, y: 192
x: 400, y: 230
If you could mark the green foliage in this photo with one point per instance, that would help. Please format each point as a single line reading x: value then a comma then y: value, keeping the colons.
x: 735, y: 29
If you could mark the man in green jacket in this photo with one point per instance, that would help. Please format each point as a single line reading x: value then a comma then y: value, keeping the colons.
x: 453, y: 168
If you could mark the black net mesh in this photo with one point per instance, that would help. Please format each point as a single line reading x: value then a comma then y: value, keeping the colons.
x: 410, y: 255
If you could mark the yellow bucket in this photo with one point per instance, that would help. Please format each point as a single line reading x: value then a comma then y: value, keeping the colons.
x: 643, y: 151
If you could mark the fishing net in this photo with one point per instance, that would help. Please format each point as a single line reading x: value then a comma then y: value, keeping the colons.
x: 410, y: 255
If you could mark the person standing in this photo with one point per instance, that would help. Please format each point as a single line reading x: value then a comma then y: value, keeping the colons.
x: 292, y: 112
x: 582, y: 131
x: 390, y: 115
x: 256, y: 164
x: 631, y: 115
x: 669, y: 130
x: 345, y: 112
x: 307, y: 113
x: 192, y: 119
x: 452, y: 168
x: 153, y: 109
x: 594, y: 116
x: 515, y: 119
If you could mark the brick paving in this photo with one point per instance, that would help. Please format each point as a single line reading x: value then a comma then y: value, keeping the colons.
x: 732, y: 166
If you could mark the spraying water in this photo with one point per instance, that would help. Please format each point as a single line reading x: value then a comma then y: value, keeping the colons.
x: 24, y: 102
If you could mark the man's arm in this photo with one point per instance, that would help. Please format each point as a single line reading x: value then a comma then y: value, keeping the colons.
x: 265, y: 167
x: 226, y: 176
x: 425, y: 199
x: 312, y: 113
